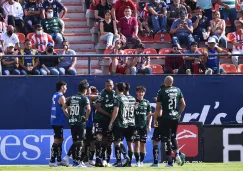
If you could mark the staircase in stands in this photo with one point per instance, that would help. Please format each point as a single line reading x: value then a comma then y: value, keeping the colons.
x: 77, y: 32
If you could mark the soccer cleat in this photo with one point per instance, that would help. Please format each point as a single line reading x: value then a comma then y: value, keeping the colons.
x: 75, y: 163
x: 98, y: 163
x: 155, y: 165
x: 182, y: 156
x: 114, y: 165
x: 126, y: 162
x: 141, y: 164
x: 138, y: 164
x: 168, y: 165
x: 104, y: 163
x: 52, y: 164
x: 65, y: 161
x: 88, y: 165
x: 119, y: 165
x: 109, y: 165
x: 178, y: 159
x: 81, y: 164
x: 92, y: 162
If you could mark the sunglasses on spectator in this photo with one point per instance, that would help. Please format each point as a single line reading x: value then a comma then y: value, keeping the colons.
x: 118, y: 42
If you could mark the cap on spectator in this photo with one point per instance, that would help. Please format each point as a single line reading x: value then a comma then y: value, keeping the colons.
x: 10, y: 45
x: 140, y: 45
x: 212, y: 40
x: 177, y: 45
x: 182, y: 13
x: 194, y: 43
x: 50, y: 44
x: 238, y: 22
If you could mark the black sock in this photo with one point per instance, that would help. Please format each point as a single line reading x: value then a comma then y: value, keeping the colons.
x: 71, y: 150
x: 130, y: 154
x: 98, y: 149
x: 123, y: 150
x: 103, y: 151
x: 87, y: 153
x: 74, y: 149
x: 118, y: 153
x: 136, y: 154
x: 83, y: 156
x: 54, y: 150
x: 142, y: 155
x: 156, y: 154
x: 108, y: 153
x: 79, y: 151
x: 91, y: 156
x: 59, y: 153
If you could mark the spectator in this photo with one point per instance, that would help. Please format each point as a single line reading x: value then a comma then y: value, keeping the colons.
x: 49, y: 64
x: 119, y: 8
x: 54, y: 27
x: 206, y: 6
x: 188, y: 8
x: 200, y: 26
x: 237, y: 41
x: 100, y: 10
x: 174, y: 11
x: 108, y: 30
x: 173, y: 64
x: 182, y: 30
x: 1, y: 55
x: 40, y: 39
x: 118, y: 64
x: 212, y: 62
x: 57, y: 7
x: 128, y: 27
x: 28, y: 64
x: 143, y: 20
x: 158, y: 12
x: 67, y: 64
x: 228, y: 11
x: 10, y: 64
x: 141, y: 64
x: 14, y: 14
x: 191, y: 4
x: 218, y: 29
x: 2, y: 26
x: 32, y: 15
x: 194, y: 63
x: 9, y: 37
x: 2, y: 12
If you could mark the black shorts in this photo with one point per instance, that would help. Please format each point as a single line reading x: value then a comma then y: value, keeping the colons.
x: 168, y: 128
x: 101, y: 127
x: 78, y: 132
x: 140, y: 134
x: 156, y: 135
x: 121, y: 133
x: 58, y: 131
x: 89, y: 136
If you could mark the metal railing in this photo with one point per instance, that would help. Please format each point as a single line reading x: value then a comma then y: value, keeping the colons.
x: 90, y: 56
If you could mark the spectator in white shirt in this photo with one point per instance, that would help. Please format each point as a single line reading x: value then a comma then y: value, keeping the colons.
x: 14, y: 14
x: 2, y: 26
x: 9, y: 37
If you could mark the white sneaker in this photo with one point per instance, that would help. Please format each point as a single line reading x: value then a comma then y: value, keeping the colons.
x: 108, y: 165
x: 88, y: 165
x: 178, y: 159
x: 92, y: 162
x: 209, y: 71
x: 188, y: 72
x: 138, y: 164
x: 65, y: 161
x: 81, y: 164
x: 53, y: 164
x: 141, y: 164
x: 104, y: 163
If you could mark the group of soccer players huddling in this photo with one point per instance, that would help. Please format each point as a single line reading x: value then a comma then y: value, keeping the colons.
x: 99, y: 120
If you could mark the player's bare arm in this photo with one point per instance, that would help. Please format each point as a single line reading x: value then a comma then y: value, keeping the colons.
x: 149, y: 118
x: 182, y: 105
x: 99, y: 109
x: 65, y: 110
x: 113, y: 117
x: 88, y: 110
x: 158, y: 113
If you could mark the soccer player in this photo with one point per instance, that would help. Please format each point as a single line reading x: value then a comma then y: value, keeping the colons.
x: 57, y: 121
x: 104, y: 107
x: 167, y: 100
x: 120, y: 121
x: 78, y: 104
x: 142, y: 114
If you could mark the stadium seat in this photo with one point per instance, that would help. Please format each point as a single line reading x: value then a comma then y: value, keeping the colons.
x: 21, y: 37
x: 129, y: 51
x: 157, y: 69
x: 148, y: 39
x: 229, y: 68
x: 230, y: 37
x: 29, y: 35
x: 240, y: 68
x: 165, y: 51
x: 150, y: 51
x: 200, y: 50
x: 57, y: 50
x: 162, y: 38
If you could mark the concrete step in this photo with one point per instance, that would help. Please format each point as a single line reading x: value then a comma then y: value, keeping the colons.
x: 75, y: 22
x: 84, y: 61
x: 77, y: 29
x: 83, y: 70
x: 75, y: 14
x: 74, y: 6
x: 72, y: 1
x: 83, y: 52
x: 82, y: 46
x: 75, y: 37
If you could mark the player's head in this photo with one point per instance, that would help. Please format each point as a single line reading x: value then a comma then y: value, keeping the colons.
x: 61, y: 86
x: 109, y: 85
x: 93, y: 90
x: 83, y: 86
x: 120, y: 87
x: 169, y: 80
x: 140, y: 91
x: 127, y: 88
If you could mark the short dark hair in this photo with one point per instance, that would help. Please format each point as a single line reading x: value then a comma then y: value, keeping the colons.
x: 49, y: 9
x: 121, y: 86
x: 65, y: 41
x: 140, y: 88
x: 27, y: 40
x: 94, y: 89
x: 194, y: 43
x: 38, y: 26
x: 140, y: 45
x: 108, y: 81
x: 59, y: 85
x: 127, y: 88
x: 83, y: 85
x: 127, y: 7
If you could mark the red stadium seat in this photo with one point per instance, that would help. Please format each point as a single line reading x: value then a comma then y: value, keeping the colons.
x: 162, y: 38
x: 200, y: 50
x: 230, y: 37
x: 29, y: 35
x: 157, y: 69
x: 21, y: 37
x: 57, y: 50
x: 165, y: 51
x: 148, y: 39
x: 240, y: 68
x: 130, y: 51
x: 151, y: 51
x: 229, y: 68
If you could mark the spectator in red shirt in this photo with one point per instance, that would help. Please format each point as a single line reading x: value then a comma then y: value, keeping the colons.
x: 120, y: 6
x: 128, y: 27
x: 174, y: 65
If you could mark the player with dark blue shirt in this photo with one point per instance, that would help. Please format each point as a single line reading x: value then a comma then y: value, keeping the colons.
x: 57, y: 121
